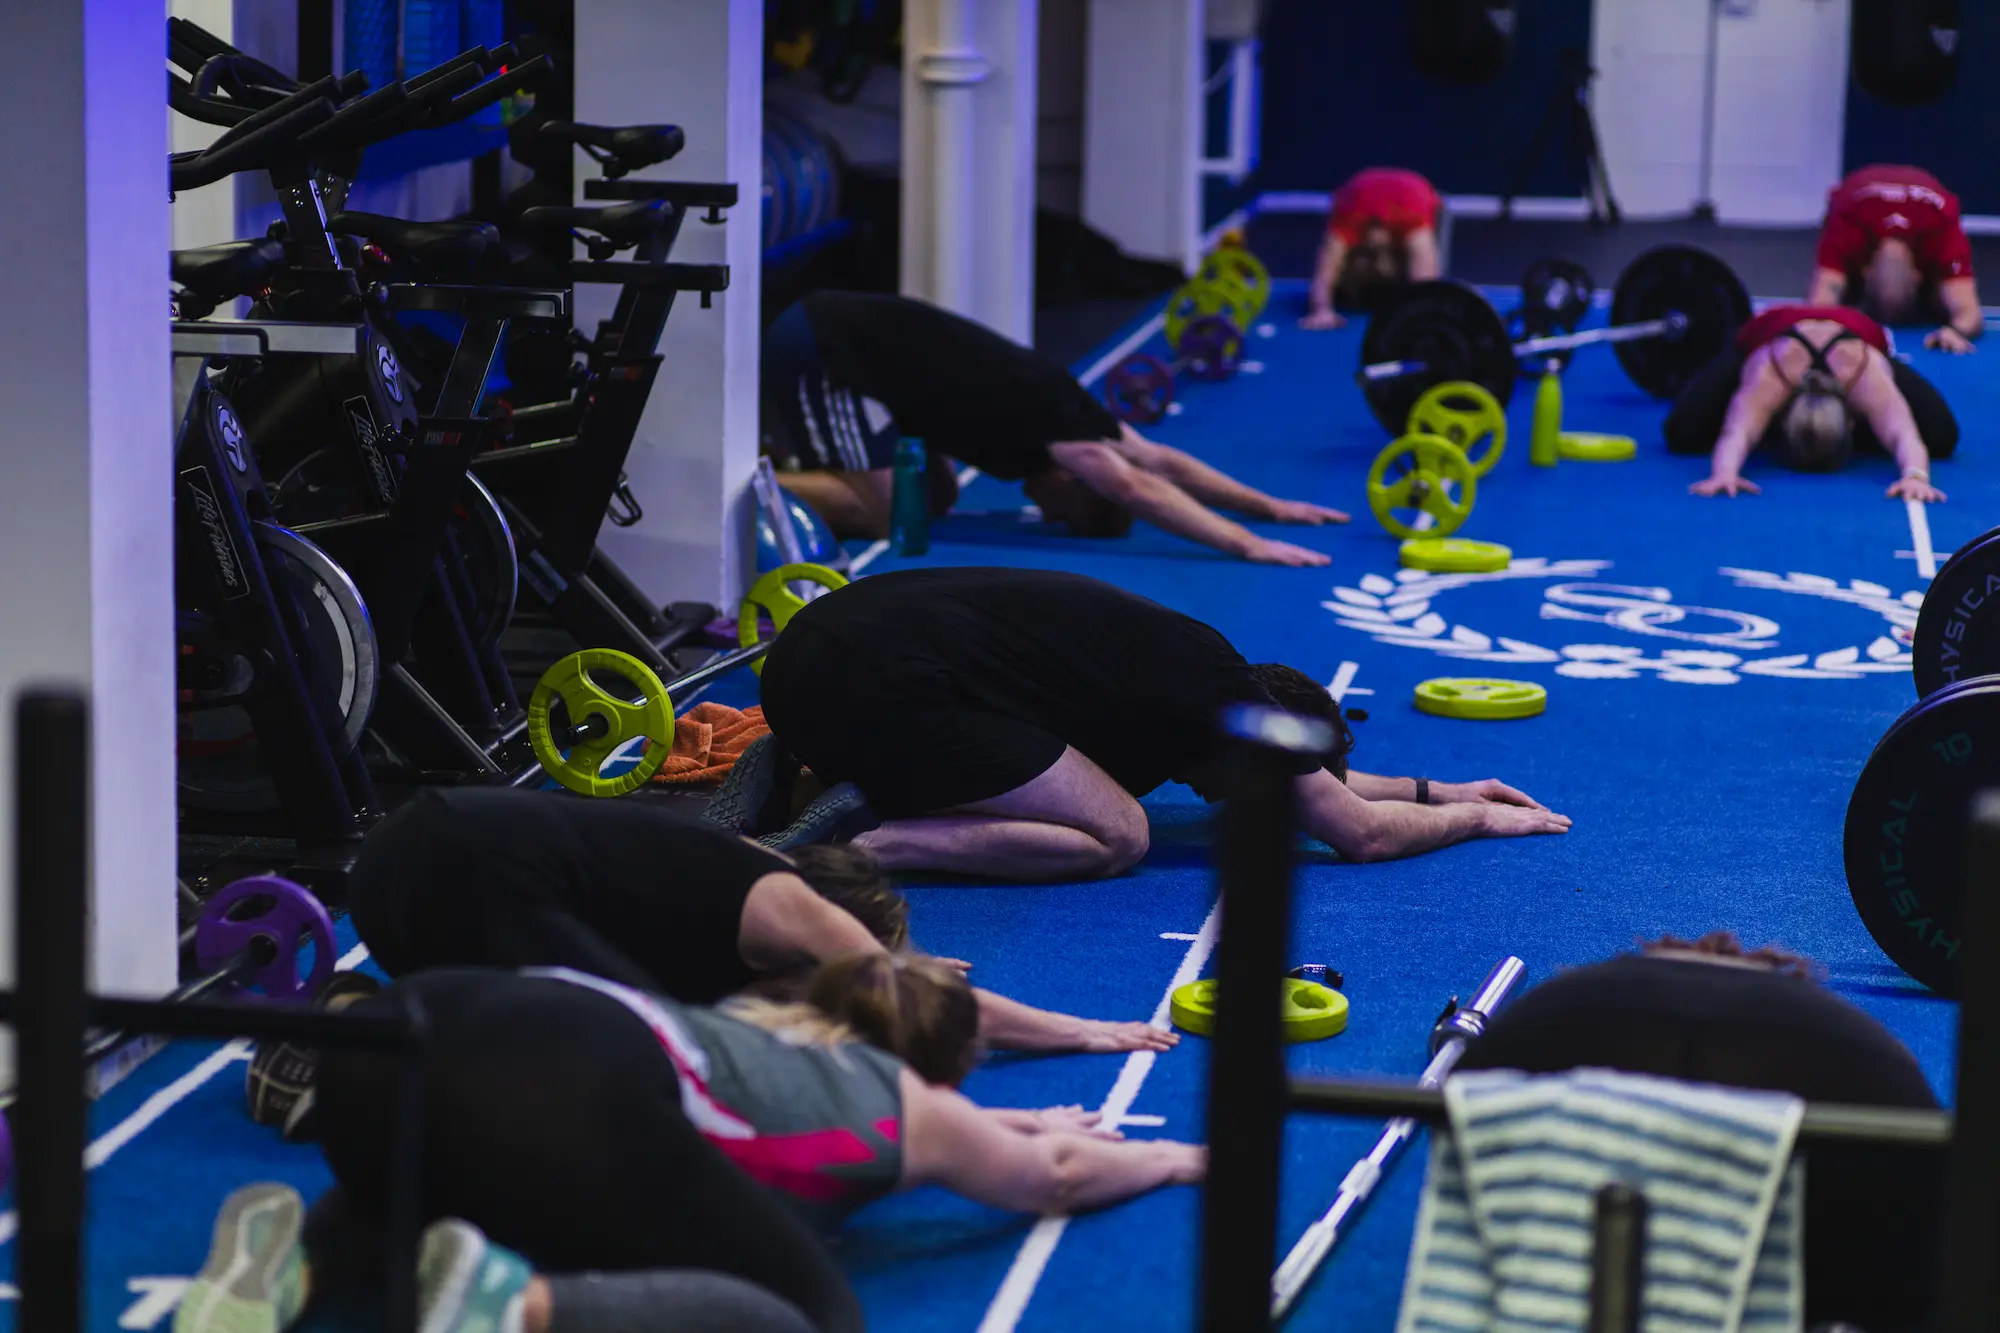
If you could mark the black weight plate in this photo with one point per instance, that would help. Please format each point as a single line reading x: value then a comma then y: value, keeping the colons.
x: 1904, y: 841
x: 1555, y: 296
x: 1694, y: 282
x: 1958, y: 630
x: 1449, y: 327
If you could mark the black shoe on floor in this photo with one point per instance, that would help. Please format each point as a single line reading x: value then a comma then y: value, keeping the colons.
x: 837, y: 814
x: 756, y: 796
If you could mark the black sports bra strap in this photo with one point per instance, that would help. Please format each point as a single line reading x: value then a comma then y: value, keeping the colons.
x: 1819, y: 352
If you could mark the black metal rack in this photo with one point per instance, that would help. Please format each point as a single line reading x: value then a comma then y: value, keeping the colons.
x: 1249, y: 1094
x: 52, y: 1008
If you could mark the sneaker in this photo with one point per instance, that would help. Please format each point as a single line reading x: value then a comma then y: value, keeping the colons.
x: 467, y: 1284
x: 836, y: 815
x: 255, y: 1277
x: 751, y: 799
x: 278, y: 1083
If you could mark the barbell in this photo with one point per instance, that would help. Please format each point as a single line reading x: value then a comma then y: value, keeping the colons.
x: 1674, y: 309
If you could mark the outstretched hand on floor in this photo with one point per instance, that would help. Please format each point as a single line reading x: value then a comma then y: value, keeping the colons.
x: 1304, y: 511
x: 1265, y: 552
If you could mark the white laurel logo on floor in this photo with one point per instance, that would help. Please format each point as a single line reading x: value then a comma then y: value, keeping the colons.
x: 1728, y: 644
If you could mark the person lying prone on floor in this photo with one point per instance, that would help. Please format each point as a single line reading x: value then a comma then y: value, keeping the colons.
x: 1808, y: 385
x: 1005, y: 722
x: 845, y: 374
x: 646, y: 896
x: 594, y: 1128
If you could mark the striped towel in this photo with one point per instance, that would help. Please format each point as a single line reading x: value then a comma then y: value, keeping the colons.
x: 1504, y: 1231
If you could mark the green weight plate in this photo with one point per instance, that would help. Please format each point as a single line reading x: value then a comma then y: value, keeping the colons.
x: 1694, y: 282
x: 1455, y: 555
x: 1199, y: 298
x: 1452, y: 331
x: 1231, y: 262
x: 1421, y: 475
x: 571, y: 683
x: 1481, y: 700
x: 1468, y: 416
x: 1582, y: 446
x: 1312, y: 1012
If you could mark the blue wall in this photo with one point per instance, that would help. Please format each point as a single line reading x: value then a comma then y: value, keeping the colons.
x: 1339, y: 95
x: 1954, y: 137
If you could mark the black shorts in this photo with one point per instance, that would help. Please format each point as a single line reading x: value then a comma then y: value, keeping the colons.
x: 1695, y: 420
x: 896, y: 730
x: 808, y: 418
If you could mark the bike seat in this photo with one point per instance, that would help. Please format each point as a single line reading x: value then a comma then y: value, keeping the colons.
x: 624, y: 225
x: 219, y: 273
x: 451, y: 244
x: 622, y: 148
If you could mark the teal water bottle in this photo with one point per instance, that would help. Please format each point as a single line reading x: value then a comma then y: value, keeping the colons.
x: 909, y: 501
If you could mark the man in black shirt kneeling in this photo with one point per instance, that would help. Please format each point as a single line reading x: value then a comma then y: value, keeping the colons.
x: 1005, y: 722
x: 846, y: 374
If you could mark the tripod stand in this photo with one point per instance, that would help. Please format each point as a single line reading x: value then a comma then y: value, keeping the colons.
x: 1569, y: 106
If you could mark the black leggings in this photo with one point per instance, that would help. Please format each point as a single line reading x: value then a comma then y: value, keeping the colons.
x: 1871, y: 1213
x: 553, y: 1122
x: 1695, y: 421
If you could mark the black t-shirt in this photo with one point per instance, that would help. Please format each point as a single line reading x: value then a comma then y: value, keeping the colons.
x: 1134, y: 686
x: 963, y: 389
x: 492, y: 876
x: 1871, y: 1214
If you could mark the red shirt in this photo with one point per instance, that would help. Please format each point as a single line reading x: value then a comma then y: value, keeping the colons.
x: 1908, y: 204
x: 1390, y: 197
x: 1769, y: 325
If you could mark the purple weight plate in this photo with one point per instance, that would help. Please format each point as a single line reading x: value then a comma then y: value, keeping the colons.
x: 1139, y: 389
x: 1211, y: 348
x: 292, y: 911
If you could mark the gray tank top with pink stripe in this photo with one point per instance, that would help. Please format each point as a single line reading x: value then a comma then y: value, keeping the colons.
x: 821, y: 1126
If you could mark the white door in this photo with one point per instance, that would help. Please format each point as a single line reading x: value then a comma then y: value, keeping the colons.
x: 1779, y: 114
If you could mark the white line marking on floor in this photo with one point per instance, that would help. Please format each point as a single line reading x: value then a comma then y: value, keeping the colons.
x: 1133, y: 342
x: 1343, y: 681
x: 1920, y: 538
x: 1178, y: 935
x: 1142, y: 1121
x: 1018, y: 1287
x: 101, y: 1149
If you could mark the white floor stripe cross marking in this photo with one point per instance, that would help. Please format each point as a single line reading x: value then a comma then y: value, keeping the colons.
x: 1920, y: 538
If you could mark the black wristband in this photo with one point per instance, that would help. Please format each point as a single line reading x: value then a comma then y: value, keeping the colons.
x: 1423, y: 790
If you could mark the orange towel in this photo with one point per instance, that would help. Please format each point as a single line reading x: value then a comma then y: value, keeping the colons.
x: 708, y: 740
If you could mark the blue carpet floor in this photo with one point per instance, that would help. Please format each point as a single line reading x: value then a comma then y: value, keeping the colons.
x: 1717, y: 671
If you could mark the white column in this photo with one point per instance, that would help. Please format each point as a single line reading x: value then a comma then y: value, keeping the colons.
x: 697, y: 64
x: 206, y: 216
x: 86, y: 470
x: 1142, y: 130
x: 969, y: 120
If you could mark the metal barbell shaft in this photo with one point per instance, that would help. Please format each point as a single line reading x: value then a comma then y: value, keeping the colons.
x: 1312, y: 1249
x: 1670, y: 325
